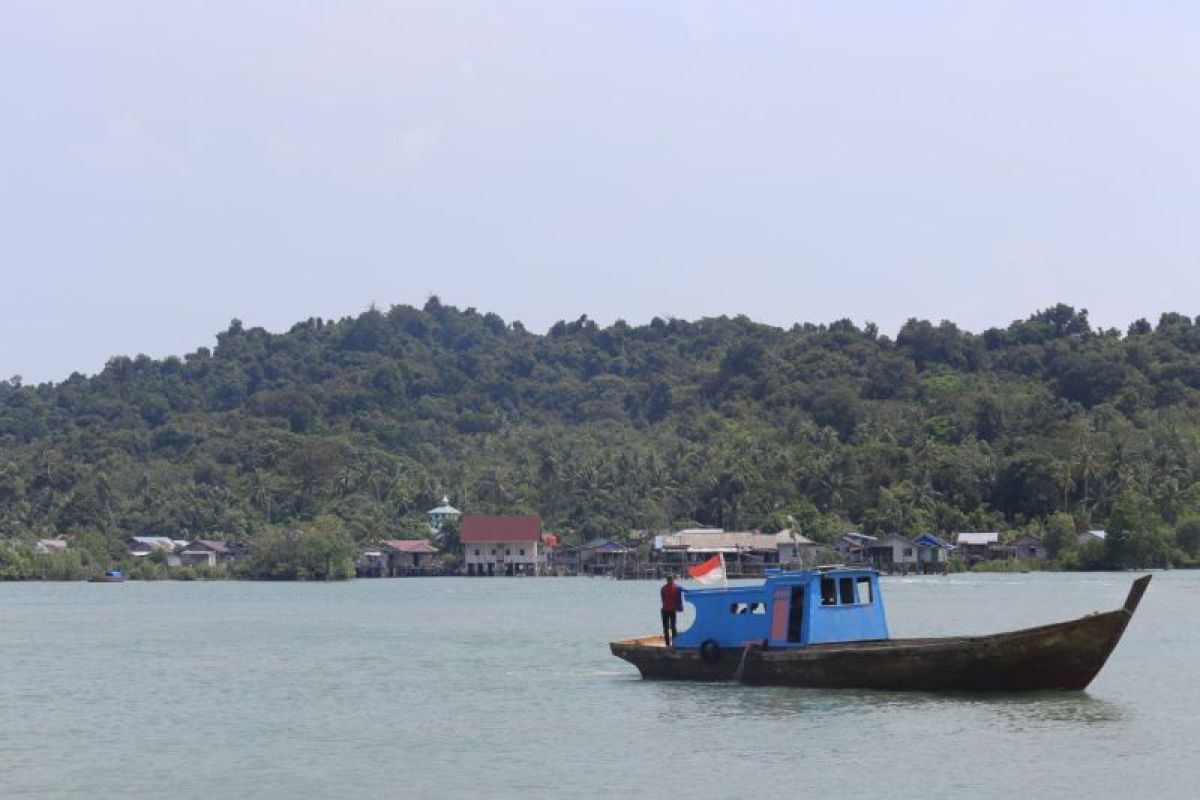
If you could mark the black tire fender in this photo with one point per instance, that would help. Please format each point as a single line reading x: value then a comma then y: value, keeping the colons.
x: 710, y: 651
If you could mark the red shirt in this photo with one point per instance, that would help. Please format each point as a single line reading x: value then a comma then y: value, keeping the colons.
x: 672, y: 597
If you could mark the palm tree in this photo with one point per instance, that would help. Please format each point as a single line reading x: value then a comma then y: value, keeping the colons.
x: 262, y: 490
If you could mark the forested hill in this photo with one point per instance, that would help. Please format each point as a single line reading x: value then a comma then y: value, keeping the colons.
x: 721, y: 422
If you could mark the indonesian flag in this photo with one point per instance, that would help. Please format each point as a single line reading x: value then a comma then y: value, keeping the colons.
x: 711, y: 571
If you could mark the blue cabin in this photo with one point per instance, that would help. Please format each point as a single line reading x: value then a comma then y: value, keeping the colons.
x: 789, y: 609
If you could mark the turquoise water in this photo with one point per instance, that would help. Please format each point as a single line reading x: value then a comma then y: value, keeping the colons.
x: 505, y: 688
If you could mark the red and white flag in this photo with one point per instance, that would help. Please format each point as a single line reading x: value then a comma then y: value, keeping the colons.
x: 711, y: 571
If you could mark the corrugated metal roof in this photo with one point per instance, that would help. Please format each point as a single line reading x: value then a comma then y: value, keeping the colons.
x: 785, y: 536
x: 479, y: 528
x: 718, y: 541
x: 884, y: 540
x: 409, y: 545
x: 155, y: 542
x: 606, y: 545
x: 978, y: 538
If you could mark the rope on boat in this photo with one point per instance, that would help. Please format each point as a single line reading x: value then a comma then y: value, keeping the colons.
x: 741, y: 667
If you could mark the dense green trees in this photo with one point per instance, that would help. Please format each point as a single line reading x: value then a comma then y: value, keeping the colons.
x: 319, y: 550
x: 1135, y: 534
x: 1044, y: 425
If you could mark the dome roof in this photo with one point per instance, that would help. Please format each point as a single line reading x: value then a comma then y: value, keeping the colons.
x: 445, y: 508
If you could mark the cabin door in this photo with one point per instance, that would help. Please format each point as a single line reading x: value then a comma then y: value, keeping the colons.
x: 779, y: 615
x: 796, y: 615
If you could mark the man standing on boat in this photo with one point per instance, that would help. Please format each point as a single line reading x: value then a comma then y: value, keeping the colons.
x: 672, y: 604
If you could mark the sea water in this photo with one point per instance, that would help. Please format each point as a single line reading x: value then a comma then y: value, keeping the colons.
x: 504, y: 687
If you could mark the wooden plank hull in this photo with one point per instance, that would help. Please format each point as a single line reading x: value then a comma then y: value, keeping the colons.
x: 1064, y: 656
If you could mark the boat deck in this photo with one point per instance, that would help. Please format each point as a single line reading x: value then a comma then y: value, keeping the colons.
x: 880, y: 644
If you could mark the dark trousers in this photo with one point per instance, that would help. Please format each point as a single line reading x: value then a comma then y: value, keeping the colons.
x: 668, y: 618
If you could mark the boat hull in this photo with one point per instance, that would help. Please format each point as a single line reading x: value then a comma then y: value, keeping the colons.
x: 1063, y: 656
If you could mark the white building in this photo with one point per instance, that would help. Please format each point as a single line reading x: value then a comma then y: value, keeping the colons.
x: 442, y: 514
x: 503, y: 545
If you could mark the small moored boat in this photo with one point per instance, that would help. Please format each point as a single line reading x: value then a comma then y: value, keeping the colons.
x: 111, y: 576
x: 826, y: 628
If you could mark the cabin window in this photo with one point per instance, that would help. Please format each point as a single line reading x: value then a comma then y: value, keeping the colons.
x: 846, y: 585
x: 521, y: 551
x: 758, y: 608
x: 864, y: 591
x: 476, y: 551
x: 828, y: 592
x: 738, y: 608
x: 508, y: 552
x: 908, y: 551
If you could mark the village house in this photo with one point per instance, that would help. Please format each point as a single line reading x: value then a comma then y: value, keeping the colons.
x: 142, y: 546
x: 145, y: 545
x: 975, y: 546
x: 409, y: 556
x: 393, y: 558
x: 209, y: 552
x: 370, y: 561
x: 795, y: 549
x: 853, y: 546
x: 746, y: 553
x: 892, y: 550
x: 933, y: 553
x: 1090, y: 536
x: 561, y: 558
x: 670, y: 550
x: 1028, y: 547
x: 47, y: 546
x: 602, y: 557
x: 503, y: 545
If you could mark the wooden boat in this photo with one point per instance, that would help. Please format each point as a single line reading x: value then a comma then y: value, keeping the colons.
x: 798, y: 637
x: 111, y: 576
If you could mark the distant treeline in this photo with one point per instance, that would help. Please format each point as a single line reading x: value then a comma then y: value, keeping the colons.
x: 725, y: 422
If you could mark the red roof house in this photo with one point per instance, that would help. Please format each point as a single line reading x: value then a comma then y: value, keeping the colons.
x: 408, y: 556
x: 503, y: 545
x: 479, y: 528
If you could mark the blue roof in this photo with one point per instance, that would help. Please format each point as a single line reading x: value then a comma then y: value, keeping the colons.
x: 930, y: 540
x: 608, y: 545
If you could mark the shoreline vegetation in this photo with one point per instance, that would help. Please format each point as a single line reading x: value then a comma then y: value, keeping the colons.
x: 301, y: 445
x: 145, y: 569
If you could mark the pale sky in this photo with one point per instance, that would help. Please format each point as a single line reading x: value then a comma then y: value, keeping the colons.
x: 166, y: 166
